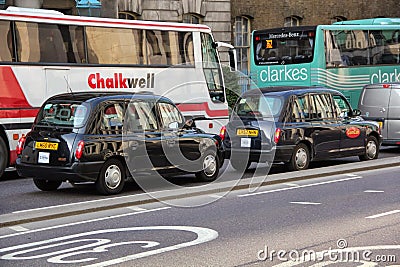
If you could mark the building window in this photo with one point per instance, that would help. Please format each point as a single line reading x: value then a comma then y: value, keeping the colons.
x: 292, y: 21
x: 127, y: 15
x: 242, y: 42
x: 191, y: 18
x: 338, y: 19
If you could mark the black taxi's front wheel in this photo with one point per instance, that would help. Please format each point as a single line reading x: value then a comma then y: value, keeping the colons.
x: 46, y: 185
x: 371, y: 149
x: 209, y: 169
x: 112, y: 177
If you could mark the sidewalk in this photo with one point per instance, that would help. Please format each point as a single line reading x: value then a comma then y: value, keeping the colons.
x: 138, y: 199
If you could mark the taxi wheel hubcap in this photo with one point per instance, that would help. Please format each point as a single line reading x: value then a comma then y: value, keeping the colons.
x: 301, y: 158
x: 113, y: 176
x: 209, y: 165
x: 371, y: 149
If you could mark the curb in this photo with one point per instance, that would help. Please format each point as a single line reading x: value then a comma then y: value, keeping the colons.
x: 48, y: 213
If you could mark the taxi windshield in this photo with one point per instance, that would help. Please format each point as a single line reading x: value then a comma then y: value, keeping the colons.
x: 62, y: 114
x: 264, y: 106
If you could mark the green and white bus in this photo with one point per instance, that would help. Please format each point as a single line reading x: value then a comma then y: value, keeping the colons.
x: 345, y: 55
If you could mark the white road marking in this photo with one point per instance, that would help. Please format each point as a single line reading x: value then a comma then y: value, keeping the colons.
x: 374, y: 191
x: 93, y: 244
x: 305, y: 203
x: 136, y: 208
x: 215, y: 196
x: 83, y: 222
x: 291, y: 184
x: 301, y: 186
x: 18, y: 228
x: 383, y: 214
x: 351, y: 174
x: 85, y: 202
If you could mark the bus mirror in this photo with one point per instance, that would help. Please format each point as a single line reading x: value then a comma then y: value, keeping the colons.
x: 232, y: 59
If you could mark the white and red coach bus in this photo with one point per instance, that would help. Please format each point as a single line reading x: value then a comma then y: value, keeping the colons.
x: 44, y: 52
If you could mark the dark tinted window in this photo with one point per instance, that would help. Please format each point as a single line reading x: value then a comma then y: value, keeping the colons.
x: 259, y: 106
x: 290, y: 46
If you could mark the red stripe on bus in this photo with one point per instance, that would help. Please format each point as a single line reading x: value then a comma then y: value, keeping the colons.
x: 122, y: 22
x: 18, y: 113
x: 203, y: 107
x: 11, y: 95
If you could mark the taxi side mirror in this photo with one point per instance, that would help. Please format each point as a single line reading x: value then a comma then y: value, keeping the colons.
x: 356, y: 112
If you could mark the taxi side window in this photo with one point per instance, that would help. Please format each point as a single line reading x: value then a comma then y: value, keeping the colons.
x: 322, y: 106
x: 140, y: 116
x: 112, y: 118
x: 170, y: 116
x: 300, y: 109
x: 343, y: 109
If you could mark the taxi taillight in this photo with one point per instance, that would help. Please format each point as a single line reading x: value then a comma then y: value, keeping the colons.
x: 277, y: 135
x: 20, y: 145
x: 222, y: 133
x: 79, y: 149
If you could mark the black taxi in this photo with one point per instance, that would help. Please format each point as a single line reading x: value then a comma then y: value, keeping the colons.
x: 296, y: 125
x: 105, y: 137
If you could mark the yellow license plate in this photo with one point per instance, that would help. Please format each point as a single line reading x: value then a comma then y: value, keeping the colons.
x: 247, y: 132
x: 46, y: 145
x: 380, y: 124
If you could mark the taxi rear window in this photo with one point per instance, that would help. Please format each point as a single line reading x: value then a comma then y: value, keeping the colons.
x: 259, y: 105
x: 63, y: 114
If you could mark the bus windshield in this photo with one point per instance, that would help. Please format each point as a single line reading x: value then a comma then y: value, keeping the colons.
x: 288, y: 46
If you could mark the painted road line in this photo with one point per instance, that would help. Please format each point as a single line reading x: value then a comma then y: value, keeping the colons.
x: 305, y: 203
x: 83, y: 222
x: 136, y: 208
x: 374, y: 191
x: 301, y: 186
x: 291, y: 184
x: 18, y: 228
x: 383, y: 214
x: 216, y: 196
x: 351, y: 175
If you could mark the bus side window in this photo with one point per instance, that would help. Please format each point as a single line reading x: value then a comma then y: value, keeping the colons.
x: 5, y: 42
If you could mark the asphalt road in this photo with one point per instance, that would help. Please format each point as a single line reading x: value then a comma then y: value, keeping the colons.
x: 21, y: 194
x: 356, y: 211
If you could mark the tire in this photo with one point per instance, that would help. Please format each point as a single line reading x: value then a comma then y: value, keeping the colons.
x: 300, y: 158
x: 371, y: 149
x: 3, y: 156
x: 210, y: 168
x: 46, y: 185
x: 240, y: 165
x: 111, y: 179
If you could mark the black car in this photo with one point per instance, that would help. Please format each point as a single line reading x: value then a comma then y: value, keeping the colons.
x: 104, y: 137
x: 296, y: 125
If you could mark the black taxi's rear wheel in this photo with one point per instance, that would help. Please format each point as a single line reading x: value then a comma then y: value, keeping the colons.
x: 300, y: 158
x: 210, y: 168
x: 46, y: 185
x: 371, y: 149
x: 112, y: 177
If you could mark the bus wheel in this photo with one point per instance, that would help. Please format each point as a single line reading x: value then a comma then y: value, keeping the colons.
x: 46, y: 185
x: 3, y: 157
x: 300, y: 158
x: 112, y: 178
x: 371, y: 149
